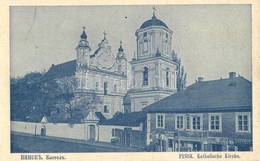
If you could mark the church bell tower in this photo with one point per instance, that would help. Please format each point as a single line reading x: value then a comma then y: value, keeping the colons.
x: 83, y: 51
x: 154, y: 68
x: 121, y: 60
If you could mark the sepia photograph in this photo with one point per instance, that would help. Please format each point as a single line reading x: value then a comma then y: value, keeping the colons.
x: 131, y: 78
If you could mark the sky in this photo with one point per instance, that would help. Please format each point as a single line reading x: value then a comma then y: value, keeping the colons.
x: 211, y: 40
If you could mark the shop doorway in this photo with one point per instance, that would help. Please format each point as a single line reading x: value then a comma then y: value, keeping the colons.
x: 127, y: 141
x: 216, y: 147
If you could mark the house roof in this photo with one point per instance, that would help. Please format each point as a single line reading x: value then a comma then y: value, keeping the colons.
x: 62, y: 70
x: 100, y: 116
x: 128, y: 119
x: 216, y: 95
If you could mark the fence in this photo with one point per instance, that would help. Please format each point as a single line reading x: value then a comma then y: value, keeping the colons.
x: 77, y: 131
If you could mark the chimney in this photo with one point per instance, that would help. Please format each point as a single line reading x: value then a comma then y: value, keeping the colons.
x: 200, y: 79
x: 232, y: 74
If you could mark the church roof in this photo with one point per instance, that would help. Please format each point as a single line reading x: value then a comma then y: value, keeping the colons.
x: 62, y: 70
x: 128, y: 119
x: 69, y: 69
x: 153, y: 22
x: 217, y: 95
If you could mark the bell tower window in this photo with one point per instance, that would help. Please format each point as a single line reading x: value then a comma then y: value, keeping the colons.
x: 145, y: 46
x: 145, y: 76
x: 166, y: 46
x: 167, y: 77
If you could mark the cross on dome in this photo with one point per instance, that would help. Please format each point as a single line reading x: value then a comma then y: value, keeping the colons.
x: 121, y: 48
x: 154, y: 9
x: 105, y: 34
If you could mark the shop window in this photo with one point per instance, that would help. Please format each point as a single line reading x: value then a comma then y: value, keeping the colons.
x: 243, y: 123
x: 179, y: 122
x: 215, y: 122
x: 196, y: 121
x: 188, y: 123
x: 160, y: 120
x: 170, y: 143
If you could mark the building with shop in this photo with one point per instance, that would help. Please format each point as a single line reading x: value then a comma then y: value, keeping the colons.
x: 211, y: 115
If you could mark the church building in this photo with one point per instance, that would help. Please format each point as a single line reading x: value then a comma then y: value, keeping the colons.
x: 154, y: 70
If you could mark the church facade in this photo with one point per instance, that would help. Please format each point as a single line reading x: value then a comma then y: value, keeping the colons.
x: 101, y: 73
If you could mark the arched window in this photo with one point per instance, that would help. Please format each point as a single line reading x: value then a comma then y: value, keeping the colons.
x: 145, y: 76
x: 166, y: 46
x: 145, y: 46
x: 167, y: 77
x: 105, y: 88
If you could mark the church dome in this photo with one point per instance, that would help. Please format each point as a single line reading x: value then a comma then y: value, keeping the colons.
x: 153, y: 22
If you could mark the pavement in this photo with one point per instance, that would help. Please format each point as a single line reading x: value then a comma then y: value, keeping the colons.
x: 103, y: 146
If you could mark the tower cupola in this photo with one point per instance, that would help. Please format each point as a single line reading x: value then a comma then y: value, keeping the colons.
x: 83, y: 50
x: 121, y: 60
x: 83, y: 35
x: 153, y: 35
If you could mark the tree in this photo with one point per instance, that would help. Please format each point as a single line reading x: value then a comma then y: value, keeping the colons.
x: 32, y: 97
x: 35, y: 96
x: 181, y: 77
x: 24, y: 93
x: 82, y: 104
